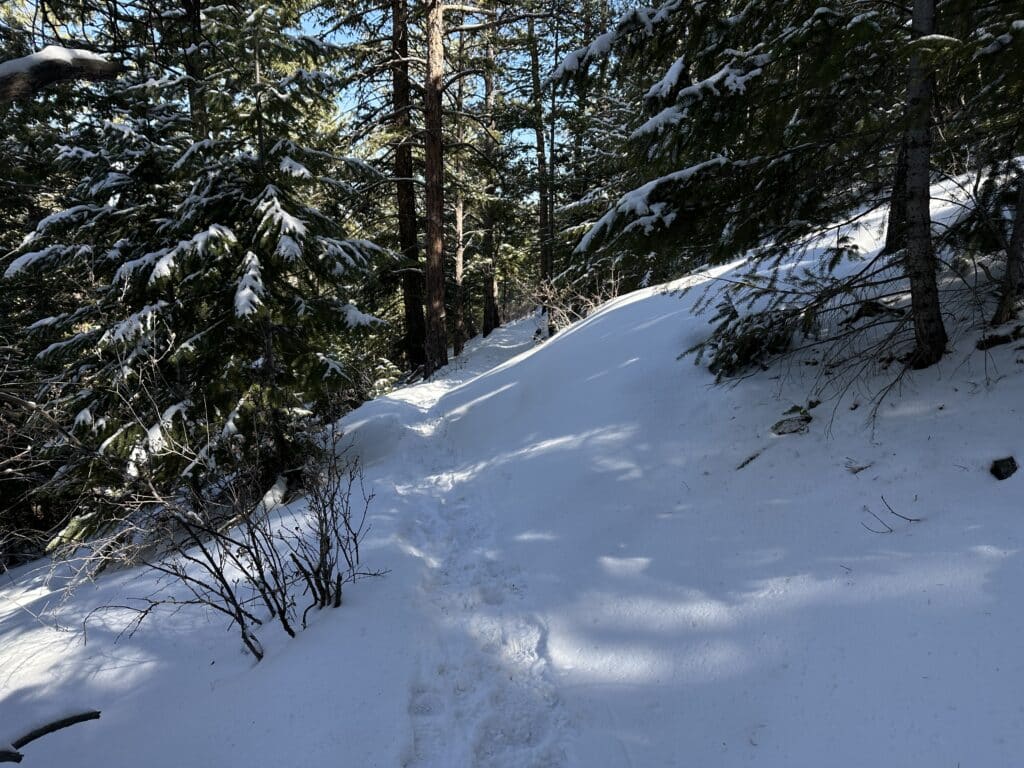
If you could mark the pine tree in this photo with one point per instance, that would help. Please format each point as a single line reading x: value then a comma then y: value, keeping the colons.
x: 210, y: 244
x: 769, y: 123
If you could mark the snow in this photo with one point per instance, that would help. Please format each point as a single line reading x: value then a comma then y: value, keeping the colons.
x: 355, y: 317
x: 136, y: 324
x: 347, y: 253
x: 294, y: 168
x: 332, y: 367
x: 250, y: 287
x: 582, y: 575
x: 71, y: 215
x: 274, y: 219
x: 51, y: 53
x: 28, y: 260
x: 67, y: 153
x: 636, y: 204
x: 664, y: 87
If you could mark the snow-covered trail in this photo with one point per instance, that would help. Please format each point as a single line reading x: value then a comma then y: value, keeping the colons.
x: 598, y: 558
x: 482, y: 694
x: 604, y: 585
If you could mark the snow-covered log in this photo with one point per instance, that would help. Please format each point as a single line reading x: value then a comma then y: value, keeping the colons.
x: 29, y: 74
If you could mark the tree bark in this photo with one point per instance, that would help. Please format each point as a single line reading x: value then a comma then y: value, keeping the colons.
x: 929, y: 332
x: 458, y: 305
x: 1014, y: 275
x: 437, y: 337
x: 543, y: 174
x: 492, y: 318
x: 896, y: 226
x: 194, y: 70
x: 459, y: 334
x: 414, y: 341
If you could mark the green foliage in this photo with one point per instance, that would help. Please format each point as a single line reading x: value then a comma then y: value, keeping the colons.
x: 765, y: 123
x: 741, y: 342
x: 204, y: 263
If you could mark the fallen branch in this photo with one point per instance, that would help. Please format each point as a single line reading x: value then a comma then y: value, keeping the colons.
x: 8, y: 755
x: 888, y: 528
x: 901, y: 517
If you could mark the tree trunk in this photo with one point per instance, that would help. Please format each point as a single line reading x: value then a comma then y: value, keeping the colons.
x: 459, y: 334
x: 459, y: 321
x: 492, y: 318
x: 1006, y: 310
x: 414, y: 341
x: 194, y: 70
x: 543, y: 175
x: 437, y: 338
x: 896, y: 227
x: 929, y: 333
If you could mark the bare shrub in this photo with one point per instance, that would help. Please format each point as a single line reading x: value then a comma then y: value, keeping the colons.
x: 567, y: 303
x: 244, y: 554
x: 325, y: 545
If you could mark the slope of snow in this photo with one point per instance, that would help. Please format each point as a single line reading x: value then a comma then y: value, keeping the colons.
x: 583, y: 574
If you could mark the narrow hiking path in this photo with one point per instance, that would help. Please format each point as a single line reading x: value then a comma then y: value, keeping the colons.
x: 482, y: 694
x: 617, y: 563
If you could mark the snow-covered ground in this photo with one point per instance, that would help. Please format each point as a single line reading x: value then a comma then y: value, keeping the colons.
x: 582, y: 575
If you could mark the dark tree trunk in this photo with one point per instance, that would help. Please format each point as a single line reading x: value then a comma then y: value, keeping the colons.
x: 458, y: 305
x: 1006, y: 310
x: 194, y: 70
x: 543, y: 172
x: 492, y: 318
x: 929, y: 332
x: 896, y: 227
x: 437, y: 338
x: 414, y: 341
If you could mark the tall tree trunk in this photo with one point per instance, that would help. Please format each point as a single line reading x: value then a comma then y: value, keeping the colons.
x: 577, y: 185
x: 194, y: 70
x: 929, y: 332
x: 552, y: 161
x: 896, y: 227
x: 414, y: 341
x: 459, y: 304
x: 543, y: 174
x: 437, y: 337
x: 492, y: 318
x: 1014, y: 276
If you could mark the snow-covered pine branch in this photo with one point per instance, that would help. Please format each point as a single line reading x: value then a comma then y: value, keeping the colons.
x: 23, y: 77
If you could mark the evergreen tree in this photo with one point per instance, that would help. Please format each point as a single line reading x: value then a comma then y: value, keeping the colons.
x: 771, y: 122
x: 210, y: 245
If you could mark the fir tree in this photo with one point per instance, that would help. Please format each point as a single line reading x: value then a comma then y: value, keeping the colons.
x: 210, y: 244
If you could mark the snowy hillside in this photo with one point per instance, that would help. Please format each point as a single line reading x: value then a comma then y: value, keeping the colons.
x: 598, y: 558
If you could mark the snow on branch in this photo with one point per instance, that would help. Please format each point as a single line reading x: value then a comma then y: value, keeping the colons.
x: 249, y: 292
x: 731, y: 78
x: 23, y: 77
x: 643, y: 19
x: 637, y: 205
